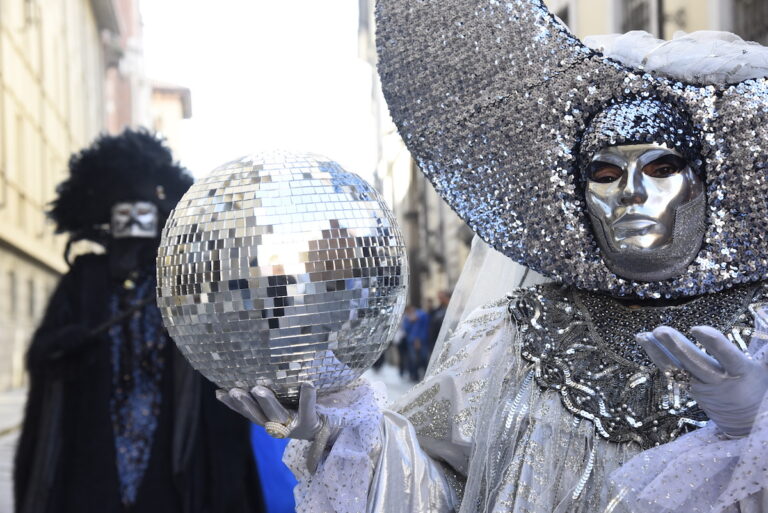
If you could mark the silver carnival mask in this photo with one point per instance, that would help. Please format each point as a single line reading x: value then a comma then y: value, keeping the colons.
x: 137, y: 220
x: 647, y: 208
x: 508, y: 110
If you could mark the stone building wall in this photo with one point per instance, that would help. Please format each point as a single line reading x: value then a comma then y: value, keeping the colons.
x: 52, y: 69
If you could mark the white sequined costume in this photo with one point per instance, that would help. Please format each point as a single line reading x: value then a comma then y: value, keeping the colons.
x: 503, y: 423
x: 530, y: 453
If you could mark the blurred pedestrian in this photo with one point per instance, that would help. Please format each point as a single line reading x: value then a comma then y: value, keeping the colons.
x: 416, y: 328
x: 437, y: 316
x: 116, y: 419
x: 401, y: 341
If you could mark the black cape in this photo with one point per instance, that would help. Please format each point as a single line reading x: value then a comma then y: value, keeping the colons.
x: 201, y: 459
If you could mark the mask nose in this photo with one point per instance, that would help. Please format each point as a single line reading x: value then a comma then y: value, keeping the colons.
x: 633, y: 192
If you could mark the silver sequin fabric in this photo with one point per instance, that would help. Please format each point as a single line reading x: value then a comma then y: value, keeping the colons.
x: 282, y: 268
x: 640, y: 121
x: 493, y: 100
x: 523, y: 449
x: 583, y: 346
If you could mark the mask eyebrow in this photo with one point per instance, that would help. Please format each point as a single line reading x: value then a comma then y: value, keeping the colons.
x: 610, y: 158
x: 657, y: 154
x: 677, y: 161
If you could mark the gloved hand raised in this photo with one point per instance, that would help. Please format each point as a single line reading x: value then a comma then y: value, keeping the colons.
x: 728, y: 385
x: 261, y: 407
x: 353, y: 410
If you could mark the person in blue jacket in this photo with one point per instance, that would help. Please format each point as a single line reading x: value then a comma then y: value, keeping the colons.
x: 416, y: 328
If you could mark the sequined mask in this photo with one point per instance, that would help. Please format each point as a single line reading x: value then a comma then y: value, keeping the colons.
x: 647, y: 210
x: 138, y: 220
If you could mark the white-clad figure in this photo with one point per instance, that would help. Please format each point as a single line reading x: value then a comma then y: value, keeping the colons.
x: 635, y: 181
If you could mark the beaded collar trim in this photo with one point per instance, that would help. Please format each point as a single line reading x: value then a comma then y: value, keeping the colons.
x: 493, y: 100
x: 582, y: 345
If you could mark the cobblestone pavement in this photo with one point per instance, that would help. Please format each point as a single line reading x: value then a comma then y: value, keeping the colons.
x: 11, y: 415
x: 388, y: 374
x: 7, y: 450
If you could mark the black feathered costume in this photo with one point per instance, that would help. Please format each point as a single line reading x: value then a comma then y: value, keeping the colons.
x: 116, y: 419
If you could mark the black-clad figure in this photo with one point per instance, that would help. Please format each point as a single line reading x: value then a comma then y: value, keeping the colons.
x: 116, y: 419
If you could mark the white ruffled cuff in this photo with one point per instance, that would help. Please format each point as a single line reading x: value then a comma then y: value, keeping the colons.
x: 343, y: 477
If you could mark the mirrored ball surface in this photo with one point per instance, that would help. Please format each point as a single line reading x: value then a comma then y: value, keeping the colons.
x: 282, y: 268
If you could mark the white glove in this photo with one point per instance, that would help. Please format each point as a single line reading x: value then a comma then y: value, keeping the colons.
x: 261, y: 407
x: 728, y: 385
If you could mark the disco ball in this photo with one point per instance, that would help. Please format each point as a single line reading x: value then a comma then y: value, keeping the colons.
x: 282, y: 268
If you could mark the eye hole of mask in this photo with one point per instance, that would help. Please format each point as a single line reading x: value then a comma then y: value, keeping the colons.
x: 603, y: 172
x: 662, y: 167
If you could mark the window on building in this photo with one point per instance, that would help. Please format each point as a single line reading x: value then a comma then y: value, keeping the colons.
x: 20, y: 172
x: 12, y: 293
x: 750, y: 20
x: 31, y: 299
x: 638, y: 15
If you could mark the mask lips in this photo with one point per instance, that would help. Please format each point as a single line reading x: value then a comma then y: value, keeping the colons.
x: 669, y: 261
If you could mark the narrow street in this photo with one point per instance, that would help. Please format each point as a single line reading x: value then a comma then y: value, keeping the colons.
x: 388, y: 374
x: 11, y: 414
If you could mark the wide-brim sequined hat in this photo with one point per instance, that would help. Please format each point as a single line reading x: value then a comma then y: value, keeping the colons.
x: 493, y: 98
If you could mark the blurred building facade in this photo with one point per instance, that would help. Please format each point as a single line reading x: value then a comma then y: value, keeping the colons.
x: 170, y: 105
x: 438, y: 241
x: 747, y: 18
x: 127, y: 89
x: 68, y: 70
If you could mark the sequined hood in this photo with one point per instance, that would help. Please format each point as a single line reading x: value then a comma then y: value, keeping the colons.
x: 639, y: 121
x: 493, y: 100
